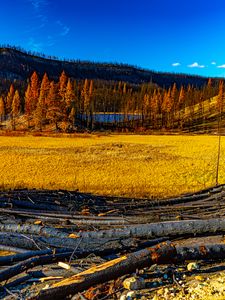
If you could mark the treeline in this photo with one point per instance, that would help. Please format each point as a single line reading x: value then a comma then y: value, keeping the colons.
x: 72, y: 104
x: 16, y: 63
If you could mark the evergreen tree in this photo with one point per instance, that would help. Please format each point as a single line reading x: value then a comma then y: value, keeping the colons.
x: 34, y: 91
x: 15, y: 109
x: 28, y: 112
x: 41, y: 109
x: 9, y: 99
x: 70, y: 103
x: 54, y: 113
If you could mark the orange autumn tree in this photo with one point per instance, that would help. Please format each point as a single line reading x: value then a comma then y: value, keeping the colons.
x: 27, y: 108
x: 70, y: 103
x: 41, y: 109
x: 9, y: 99
x: 15, y: 109
x: 54, y: 113
x: 34, y: 91
x: 31, y: 97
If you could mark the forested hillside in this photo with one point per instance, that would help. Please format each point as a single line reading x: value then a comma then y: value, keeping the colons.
x: 18, y: 64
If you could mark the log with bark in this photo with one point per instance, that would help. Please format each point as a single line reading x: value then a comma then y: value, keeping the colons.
x: 162, y: 229
x: 74, y: 219
x: 82, y: 245
x: 33, y: 229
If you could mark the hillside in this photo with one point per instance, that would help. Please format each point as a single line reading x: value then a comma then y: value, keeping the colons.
x: 16, y: 64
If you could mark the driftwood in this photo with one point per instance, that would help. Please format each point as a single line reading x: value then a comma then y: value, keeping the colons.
x: 82, y: 245
x: 162, y: 253
x: 33, y: 229
x: 74, y: 219
x: 12, y: 249
x: 108, y: 271
x: 162, y: 229
x: 30, y: 205
x: 9, y: 259
x: 30, y: 263
x: 212, y: 251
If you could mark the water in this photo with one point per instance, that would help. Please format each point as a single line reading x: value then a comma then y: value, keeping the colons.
x: 111, y: 118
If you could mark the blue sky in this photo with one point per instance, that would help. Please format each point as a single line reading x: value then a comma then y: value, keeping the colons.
x: 163, y: 35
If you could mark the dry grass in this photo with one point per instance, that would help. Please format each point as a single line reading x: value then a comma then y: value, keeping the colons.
x: 128, y: 165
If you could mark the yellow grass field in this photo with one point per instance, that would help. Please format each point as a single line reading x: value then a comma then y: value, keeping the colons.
x: 125, y: 165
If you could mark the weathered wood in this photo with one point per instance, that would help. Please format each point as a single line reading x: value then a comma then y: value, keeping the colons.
x: 82, y: 245
x: 75, y: 219
x: 33, y: 229
x: 162, y: 253
x: 162, y: 229
x: 12, y: 249
x: 107, y: 271
x: 9, y: 259
x: 30, y: 263
x: 202, y: 252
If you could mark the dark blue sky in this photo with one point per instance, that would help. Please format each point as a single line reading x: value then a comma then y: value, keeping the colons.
x: 153, y: 34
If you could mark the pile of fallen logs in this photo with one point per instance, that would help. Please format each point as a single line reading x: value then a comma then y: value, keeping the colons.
x: 76, y: 241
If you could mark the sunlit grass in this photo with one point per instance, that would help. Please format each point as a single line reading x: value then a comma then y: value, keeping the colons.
x: 126, y: 165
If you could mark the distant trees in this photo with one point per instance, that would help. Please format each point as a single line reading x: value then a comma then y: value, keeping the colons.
x: 64, y: 104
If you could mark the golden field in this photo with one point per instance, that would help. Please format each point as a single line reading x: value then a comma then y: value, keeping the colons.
x: 125, y: 165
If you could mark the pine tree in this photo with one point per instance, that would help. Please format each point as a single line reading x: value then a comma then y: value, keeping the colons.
x: 54, y: 112
x: 15, y: 109
x: 62, y: 91
x: 167, y: 106
x: 62, y: 85
x: 34, y: 91
x: 28, y: 97
x: 70, y: 103
x: 9, y: 99
x: 181, y: 106
x: 154, y: 107
x: 69, y: 95
x: 86, y: 100
x: 2, y: 109
x: 91, y: 105
x: 41, y: 109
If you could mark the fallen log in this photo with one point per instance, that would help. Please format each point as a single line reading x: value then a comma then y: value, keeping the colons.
x: 30, y: 263
x: 12, y: 249
x: 82, y: 245
x: 9, y: 259
x: 162, y: 229
x: 30, y: 205
x: 75, y: 219
x: 110, y: 270
x: 33, y: 229
x: 202, y: 252
x: 162, y: 253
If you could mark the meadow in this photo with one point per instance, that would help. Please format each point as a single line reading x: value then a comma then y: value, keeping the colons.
x: 118, y: 165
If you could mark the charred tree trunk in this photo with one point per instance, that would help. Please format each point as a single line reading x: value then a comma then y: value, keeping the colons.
x: 108, y: 271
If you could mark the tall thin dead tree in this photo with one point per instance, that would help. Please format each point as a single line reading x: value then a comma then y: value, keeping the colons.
x: 220, y: 100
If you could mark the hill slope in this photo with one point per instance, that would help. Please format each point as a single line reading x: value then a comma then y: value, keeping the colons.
x: 15, y: 64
